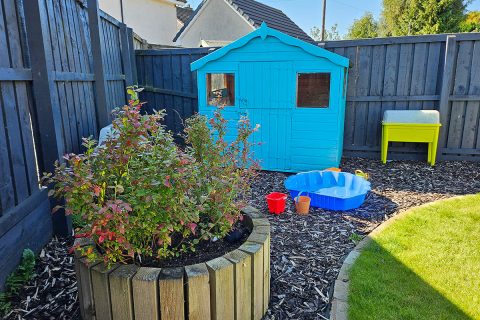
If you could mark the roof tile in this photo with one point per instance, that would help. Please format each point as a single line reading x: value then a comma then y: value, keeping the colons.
x: 183, y: 14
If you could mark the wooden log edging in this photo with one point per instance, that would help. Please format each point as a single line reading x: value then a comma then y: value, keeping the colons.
x: 234, y: 286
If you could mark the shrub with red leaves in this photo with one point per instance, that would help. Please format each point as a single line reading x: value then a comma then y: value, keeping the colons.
x: 140, y: 195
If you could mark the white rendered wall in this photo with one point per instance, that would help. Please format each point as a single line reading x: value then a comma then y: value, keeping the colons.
x: 153, y: 20
x: 216, y: 21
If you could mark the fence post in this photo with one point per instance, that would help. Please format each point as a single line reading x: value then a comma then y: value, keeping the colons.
x: 448, y: 72
x: 50, y: 144
x: 133, y: 60
x: 125, y: 51
x: 94, y: 23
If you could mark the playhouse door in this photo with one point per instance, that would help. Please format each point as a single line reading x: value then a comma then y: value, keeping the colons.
x: 265, y: 96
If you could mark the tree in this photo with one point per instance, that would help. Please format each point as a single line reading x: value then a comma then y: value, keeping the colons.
x: 332, y: 34
x: 365, y: 27
x: 411, y: 17
x: 471, y: 22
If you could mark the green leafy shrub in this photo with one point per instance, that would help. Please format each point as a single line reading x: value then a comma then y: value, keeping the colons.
x: 140, y: 195
x: 24, y: 272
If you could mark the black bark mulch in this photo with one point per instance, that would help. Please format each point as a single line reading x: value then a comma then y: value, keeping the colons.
x: 52, y: 293
x: 306, y: 251
x: 204, y: 250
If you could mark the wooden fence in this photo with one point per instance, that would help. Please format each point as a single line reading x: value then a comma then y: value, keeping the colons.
x: 64, y: 65
x: 439, y: 72
x: 168, y: 82
x: 138, y: 42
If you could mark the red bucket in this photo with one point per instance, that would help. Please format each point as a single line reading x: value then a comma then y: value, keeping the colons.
x: 276, y: 202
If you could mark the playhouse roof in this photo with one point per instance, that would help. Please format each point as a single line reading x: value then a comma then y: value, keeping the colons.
x: 263, y: 32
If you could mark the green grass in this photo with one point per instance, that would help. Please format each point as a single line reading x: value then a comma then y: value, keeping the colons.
x: 425, y: 265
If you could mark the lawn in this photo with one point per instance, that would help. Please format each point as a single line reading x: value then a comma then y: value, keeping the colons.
x: 425, y: 265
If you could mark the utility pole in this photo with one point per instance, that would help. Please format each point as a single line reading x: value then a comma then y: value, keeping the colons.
x: 121, y: 11
x: 323, y: 19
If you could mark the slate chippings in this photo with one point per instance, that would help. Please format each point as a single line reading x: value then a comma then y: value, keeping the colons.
x: 306, y: 251
x: 52, y: 293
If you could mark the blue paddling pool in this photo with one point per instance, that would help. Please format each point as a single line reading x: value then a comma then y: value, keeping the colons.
x: 329, y: 190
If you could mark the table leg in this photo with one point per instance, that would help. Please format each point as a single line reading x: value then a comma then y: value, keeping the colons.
x: 429, y: 158
x: 384, y: 149
x: 434, y: 151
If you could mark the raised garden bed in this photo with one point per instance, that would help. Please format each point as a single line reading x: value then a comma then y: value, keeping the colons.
x: 233, y: 286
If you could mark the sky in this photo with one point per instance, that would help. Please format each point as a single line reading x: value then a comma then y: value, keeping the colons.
x: 308, y: 13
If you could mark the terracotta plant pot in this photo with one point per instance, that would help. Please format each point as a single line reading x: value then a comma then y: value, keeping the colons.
x: 302, y: 204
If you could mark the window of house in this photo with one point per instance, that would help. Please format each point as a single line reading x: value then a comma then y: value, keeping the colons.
x: 313, y: 90
x: 220, y: 89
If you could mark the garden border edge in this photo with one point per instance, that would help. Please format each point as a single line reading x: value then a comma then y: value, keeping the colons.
x: 339, y: 306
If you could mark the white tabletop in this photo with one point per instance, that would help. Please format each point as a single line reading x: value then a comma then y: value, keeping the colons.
x: 411, y: 116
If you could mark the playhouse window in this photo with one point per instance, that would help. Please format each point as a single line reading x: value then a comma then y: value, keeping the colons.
x: 313, y: 90
x: 220, y: 89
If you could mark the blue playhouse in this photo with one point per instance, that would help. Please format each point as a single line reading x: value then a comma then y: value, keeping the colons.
x: 296, y: 91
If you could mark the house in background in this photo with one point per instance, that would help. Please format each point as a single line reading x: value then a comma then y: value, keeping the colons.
x: 153, y: 20
x: 224, y: 21
x: 183, y: 15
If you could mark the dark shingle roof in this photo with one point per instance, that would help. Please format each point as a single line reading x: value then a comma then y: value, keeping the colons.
x: 183, y: 14
x: 256, y: 13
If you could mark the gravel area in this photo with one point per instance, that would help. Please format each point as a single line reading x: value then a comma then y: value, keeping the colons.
x: 52, y: 293
x: 307, y: 251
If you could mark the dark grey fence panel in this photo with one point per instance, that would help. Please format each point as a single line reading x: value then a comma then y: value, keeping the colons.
x: 402, y: 73
x: 20, y: 195
x: 461, y: 137
x: 72, y: 70
x: 18, y: 173
x: 48, y: 102
x: 418, y: 73
x: 388, y: 74
x: 113, y: 64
